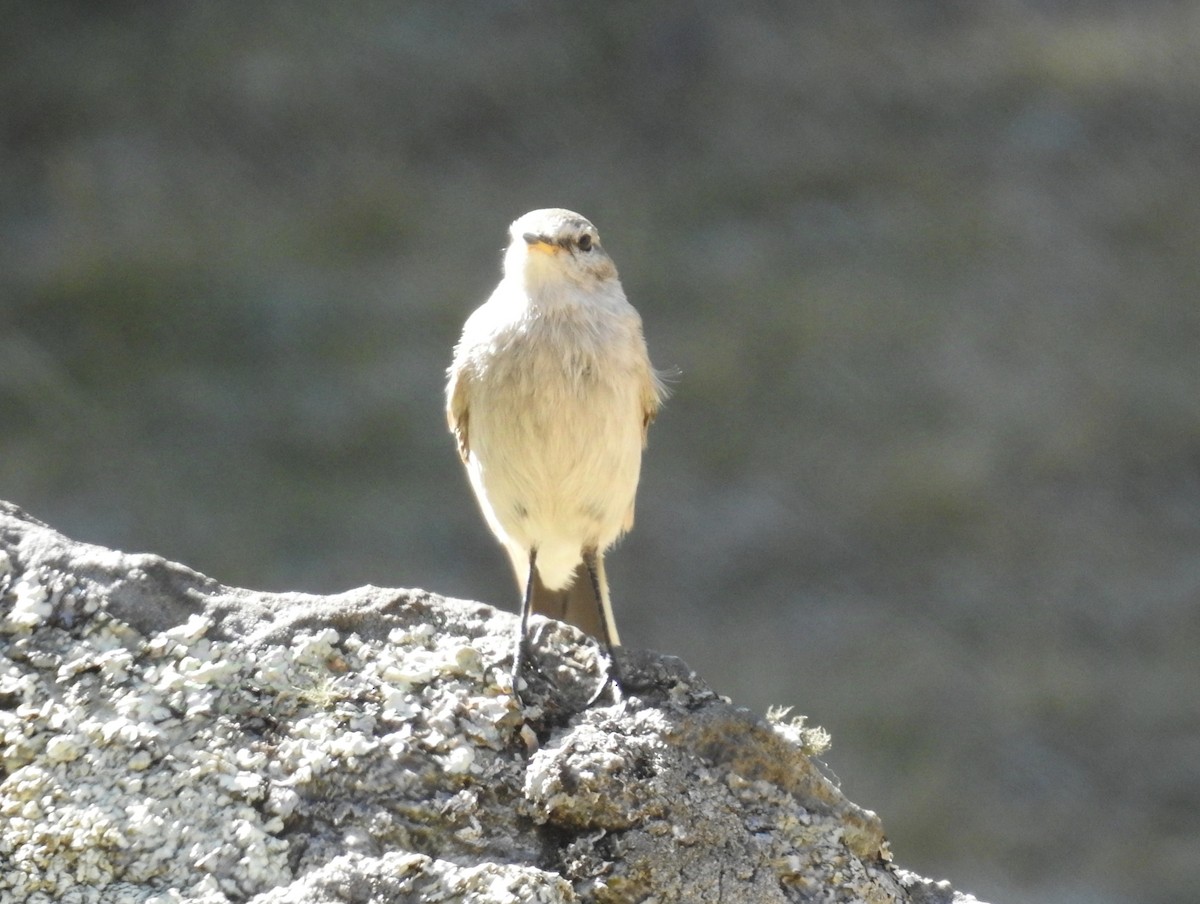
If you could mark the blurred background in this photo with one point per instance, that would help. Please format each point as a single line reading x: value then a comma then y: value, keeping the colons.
x: 928, y: 271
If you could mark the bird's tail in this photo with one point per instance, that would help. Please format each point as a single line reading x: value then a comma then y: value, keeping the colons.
x: 577, y: 605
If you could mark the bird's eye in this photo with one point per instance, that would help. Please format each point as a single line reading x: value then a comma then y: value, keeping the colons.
x: 585, y: 242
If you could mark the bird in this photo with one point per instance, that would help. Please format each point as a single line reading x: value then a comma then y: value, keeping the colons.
x: 549, y: 397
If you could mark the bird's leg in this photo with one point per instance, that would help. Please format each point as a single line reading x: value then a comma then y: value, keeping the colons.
x: 522, y: 652
x: 614, y: 672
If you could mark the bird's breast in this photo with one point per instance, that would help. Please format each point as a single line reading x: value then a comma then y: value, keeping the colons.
x: 556, y: 428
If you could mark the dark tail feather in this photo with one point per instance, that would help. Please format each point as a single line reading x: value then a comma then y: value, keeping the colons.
x: 576, y: 604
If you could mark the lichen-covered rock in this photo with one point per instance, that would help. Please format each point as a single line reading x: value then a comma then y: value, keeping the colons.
x: 164, y: 738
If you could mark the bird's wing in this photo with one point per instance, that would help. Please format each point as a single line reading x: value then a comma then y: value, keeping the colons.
x: 654, y: 393
x: 457, y: 410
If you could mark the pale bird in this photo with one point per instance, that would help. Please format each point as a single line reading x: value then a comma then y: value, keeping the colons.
x: 550, y: 396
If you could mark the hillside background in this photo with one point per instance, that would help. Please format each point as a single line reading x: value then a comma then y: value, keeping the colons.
x: 929, y: 272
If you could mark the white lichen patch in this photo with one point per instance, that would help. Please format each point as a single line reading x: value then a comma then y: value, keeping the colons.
x: 407, y: 876
x: 813, y: 740
x: 168, y: 767
x: 31, y: 603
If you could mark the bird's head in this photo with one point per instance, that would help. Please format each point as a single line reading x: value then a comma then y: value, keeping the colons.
x: 556, y: 245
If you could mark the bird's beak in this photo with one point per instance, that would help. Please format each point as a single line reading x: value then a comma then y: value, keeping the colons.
x: 540, y: 243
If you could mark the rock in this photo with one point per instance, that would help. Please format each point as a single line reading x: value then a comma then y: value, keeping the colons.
x: 165, y: 738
